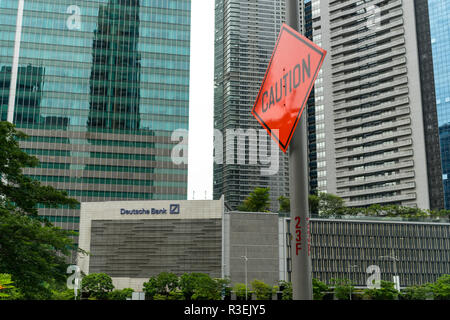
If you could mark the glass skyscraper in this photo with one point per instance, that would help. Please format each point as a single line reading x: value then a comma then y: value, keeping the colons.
x: 376, y: 133
x: 439, y: 12
x: 245, y: 36
x: 100, y: 86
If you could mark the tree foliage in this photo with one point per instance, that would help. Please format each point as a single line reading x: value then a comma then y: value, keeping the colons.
x: 387, y: 291
x: 67, y: 294
x: 441, y: 288
x: 20, y: 192
x: 241, y: 290
x: 32, y: 251
x: 330, y: 205
x: 286, y: 289
x: 190, y: 286
x: 313, y: 201
x: 200, y: 286
x: 97, y: 285
x: 6, y: 286
x: 284, y: 203
x: 422, y: 292
x: 161, y: 285
x: 262, y: 290
x: 319, y: 289
x: 342, y: 288
x: 257, y: 201
x: 122, y: 294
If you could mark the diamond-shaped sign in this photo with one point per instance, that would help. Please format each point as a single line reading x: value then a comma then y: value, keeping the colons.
x: 285, y: 89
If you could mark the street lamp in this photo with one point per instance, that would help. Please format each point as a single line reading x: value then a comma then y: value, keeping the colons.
x: 350, y: 268
x: 245, y: 264
x: 396, y: 277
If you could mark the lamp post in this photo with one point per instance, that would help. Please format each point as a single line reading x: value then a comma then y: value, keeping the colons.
x: 245, y: 268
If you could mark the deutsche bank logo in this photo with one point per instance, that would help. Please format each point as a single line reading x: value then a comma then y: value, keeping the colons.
x: 174, y: 209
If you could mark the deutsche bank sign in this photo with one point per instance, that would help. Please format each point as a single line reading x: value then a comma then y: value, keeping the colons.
x: 173, y: 209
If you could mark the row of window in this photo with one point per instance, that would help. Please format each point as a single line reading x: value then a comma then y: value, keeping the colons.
x: 94, y: 167
x: 80, y: 124
x: 62, y: 219
x: 379, y: 229
x: 125, y: 195
x: 103, y: 155
x: 109, y: 181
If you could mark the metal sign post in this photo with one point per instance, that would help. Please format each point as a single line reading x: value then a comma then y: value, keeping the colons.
x: 298, y: 190
x: 279, y: 107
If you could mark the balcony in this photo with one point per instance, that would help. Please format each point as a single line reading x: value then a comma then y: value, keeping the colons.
x: 382, y: 157
x: 375, y: 179
x: 382, y: 126
x: 350, y: 173
x: 402, y: 186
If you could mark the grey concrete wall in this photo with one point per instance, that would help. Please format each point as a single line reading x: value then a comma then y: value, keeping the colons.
x: 144, y: 248
x: 258, y: 234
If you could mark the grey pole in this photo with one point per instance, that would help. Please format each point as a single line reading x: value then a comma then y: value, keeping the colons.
x: 298, y: 190
x: 245, y: 270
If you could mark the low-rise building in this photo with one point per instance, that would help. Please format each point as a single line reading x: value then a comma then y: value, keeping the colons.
x: 134, y: 240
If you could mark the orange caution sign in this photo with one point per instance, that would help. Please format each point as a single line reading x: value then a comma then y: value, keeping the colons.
x: 285, y: 89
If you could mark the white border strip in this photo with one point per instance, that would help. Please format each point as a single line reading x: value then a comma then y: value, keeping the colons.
x: 15, y: 64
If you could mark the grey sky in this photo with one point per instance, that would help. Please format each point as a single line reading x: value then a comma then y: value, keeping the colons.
x: 200, y: 166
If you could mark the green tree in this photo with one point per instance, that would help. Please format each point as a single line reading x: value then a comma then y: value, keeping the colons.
x: 188, y: 283
x: 330, y: 205
x: 417, y: 292
x: 200, y: 286
x: 387, y: 291
x: 122, y: 294
x: 241, y: 290
x: 284, y: 203
x: 441, y: 288
x: 208, y: 289
x: 262, y: 290
x: 319, y: 289
x: 6, y: 286
x: 32, y: 251
x: 151, y: 288
x: 97, y: 285
x: 257, y: 201
x: 224, y: 287
x: 67, y: 294
x: 20, y: 192
x: 313, y: 201
x: 342, y: 288
x: 286, y: 290
x: 159, y: 287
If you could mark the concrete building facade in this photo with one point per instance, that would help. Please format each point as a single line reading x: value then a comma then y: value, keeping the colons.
x: 134, y: 240
x: 376, y: 126
x: 245, y: 36
x: 99, y: 86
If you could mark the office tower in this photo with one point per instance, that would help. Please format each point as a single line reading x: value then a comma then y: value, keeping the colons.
x: 101, y: 86
x: 439, y: 14
x: 312, y: 138
x: 376, y: 127
x: 245, y: 36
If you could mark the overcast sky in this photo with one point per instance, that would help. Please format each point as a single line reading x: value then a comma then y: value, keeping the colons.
x: 201, y: 105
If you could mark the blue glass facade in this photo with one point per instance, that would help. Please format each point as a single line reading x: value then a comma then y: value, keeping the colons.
x: 439, y: 12
x: 101, y: 86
